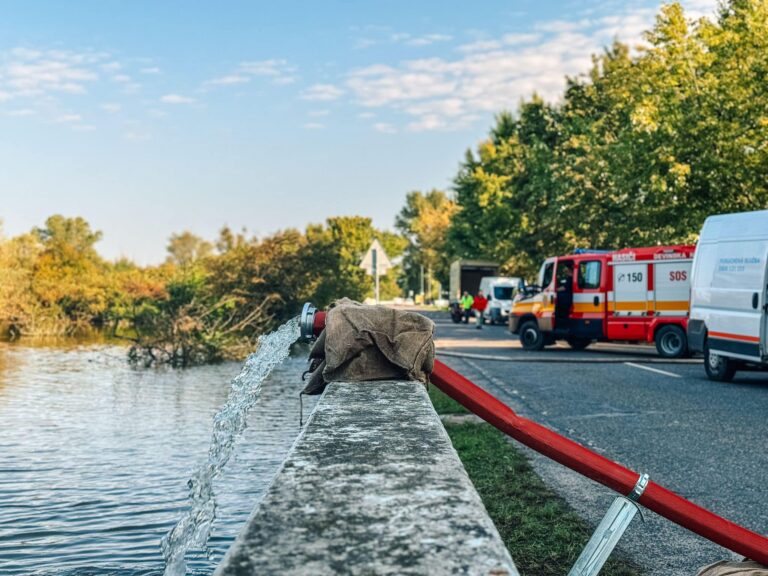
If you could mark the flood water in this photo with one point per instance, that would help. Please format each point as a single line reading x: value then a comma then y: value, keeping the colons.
x: 95, y: 457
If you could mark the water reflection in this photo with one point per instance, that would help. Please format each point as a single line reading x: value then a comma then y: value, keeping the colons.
x: 95, y: 455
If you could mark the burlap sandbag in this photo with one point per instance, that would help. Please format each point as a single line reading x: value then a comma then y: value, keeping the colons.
x: 372, y: 343
x: 733, y: 568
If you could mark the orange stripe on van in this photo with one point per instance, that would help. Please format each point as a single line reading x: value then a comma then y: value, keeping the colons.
x: 730, y: 336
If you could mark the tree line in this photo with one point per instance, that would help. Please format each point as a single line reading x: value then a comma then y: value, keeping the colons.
x: 208, y: 301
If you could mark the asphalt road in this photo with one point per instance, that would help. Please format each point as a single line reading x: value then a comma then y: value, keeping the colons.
x: 705, y: 440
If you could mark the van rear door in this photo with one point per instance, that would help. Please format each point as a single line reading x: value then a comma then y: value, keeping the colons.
x: 764, y: 313
x: 731, y: 302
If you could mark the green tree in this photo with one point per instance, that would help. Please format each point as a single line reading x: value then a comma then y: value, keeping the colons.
x: 69, y: 279
x: 424, y: 222
x: 186, y: 248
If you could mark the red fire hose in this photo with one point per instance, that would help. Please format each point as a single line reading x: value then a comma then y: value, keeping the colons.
x: 588, y: 463
x: 598, y: 468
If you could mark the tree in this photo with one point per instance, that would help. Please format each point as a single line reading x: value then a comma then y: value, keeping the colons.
x: 185, y: 248
x: 69, y: 279
x: 424, y: 222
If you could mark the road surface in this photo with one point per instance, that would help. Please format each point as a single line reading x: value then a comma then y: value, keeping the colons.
x: 705, y: 440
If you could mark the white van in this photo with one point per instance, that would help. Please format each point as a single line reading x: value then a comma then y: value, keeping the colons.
x: 500, y: 290
x: 729, y: 294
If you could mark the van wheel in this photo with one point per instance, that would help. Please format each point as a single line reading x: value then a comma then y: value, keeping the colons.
x: 671, y: 342
x: 578, y: 343
x: 531, y: 337
x: 719, y: 368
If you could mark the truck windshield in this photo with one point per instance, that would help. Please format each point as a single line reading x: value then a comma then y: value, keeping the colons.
x: 503, y: 292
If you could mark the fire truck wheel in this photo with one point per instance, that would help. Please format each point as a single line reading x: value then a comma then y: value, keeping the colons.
x: 719, y: 368
x: 671, y: 342
x: 578, y: 343
x: 531, y: 337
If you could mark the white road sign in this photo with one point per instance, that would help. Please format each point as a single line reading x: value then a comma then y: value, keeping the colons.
x: 376, y: 258
x: 375, y: 263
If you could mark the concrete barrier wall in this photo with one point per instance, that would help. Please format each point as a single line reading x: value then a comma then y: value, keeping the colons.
x: 372, y: 486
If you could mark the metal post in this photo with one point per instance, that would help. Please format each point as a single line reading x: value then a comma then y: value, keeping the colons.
x: 609, y: 532
x: 375, y: 272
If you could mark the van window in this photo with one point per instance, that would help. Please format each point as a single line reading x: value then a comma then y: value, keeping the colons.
x: 545, y: 276
x: 589, y: 275
x: 502, y: 292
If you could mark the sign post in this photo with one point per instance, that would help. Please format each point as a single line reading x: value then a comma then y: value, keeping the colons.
x: 375, y: 263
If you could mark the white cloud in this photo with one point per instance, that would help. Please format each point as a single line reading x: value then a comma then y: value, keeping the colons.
x: 278, y: 71
x: 383, y: 34
x: 318, y: 113
x: 137, y: 135
x: 111, y: 107
x: 68, y: 118
x: 314, y: 126
x: 384, y: 128
x: 480, y: 46
x: 150, y: 70
x: 425, y: 40
x: 322, y: 92
x: 284, y: 80
x: 121, y: 78
x: 176, y: 99
x: 229, y: 80
x: 264, y: 67
x: 21, y: 112
x: 25, y: 72
x: 493, y: 74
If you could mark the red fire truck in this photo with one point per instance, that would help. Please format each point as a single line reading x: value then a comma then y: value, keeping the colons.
x: 635, y: 294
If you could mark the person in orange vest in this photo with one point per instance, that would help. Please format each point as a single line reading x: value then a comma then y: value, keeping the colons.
x: 479, y: 305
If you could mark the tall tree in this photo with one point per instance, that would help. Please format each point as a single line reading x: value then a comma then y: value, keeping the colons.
x: 185, y: 248
x: 424, y: 221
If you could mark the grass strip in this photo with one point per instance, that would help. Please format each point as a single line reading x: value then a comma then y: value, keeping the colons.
x: 543, y: 534
x: 443, y: 403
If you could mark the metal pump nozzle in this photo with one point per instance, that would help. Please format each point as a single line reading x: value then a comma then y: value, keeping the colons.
x: 307, y: 321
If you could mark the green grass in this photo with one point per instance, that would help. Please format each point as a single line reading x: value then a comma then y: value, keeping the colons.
x: 445, y: 404
x: 543, y: 534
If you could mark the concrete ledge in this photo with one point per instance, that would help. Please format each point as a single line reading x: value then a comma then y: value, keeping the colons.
x: 372, y: 486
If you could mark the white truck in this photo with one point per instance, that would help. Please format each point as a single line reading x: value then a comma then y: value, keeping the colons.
x: 466, y: 276
x: 500, y: 290
x: 729, y: 294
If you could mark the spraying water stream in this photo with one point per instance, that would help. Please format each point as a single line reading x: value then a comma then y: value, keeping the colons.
x: 194, y: 527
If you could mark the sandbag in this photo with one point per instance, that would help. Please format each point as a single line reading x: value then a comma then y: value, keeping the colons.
x: 734, y: 568
x: 362, y: 343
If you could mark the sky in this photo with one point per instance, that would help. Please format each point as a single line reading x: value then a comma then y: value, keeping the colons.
x: 154, y: 117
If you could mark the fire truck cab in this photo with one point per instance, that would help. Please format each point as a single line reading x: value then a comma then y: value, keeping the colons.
x: 635, y: 294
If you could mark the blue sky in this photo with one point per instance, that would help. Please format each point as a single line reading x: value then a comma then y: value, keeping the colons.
x: 149, y: 117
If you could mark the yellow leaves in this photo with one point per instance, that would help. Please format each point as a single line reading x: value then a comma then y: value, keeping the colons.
x: 486, y: 151
x: 492, y: 188
x: 644, y: 117
x: 680, y: 172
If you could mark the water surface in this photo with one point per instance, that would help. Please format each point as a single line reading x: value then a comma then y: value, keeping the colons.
x: 95, y: 456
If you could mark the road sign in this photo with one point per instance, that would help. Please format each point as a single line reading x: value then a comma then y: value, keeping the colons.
x: 375, y: 263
